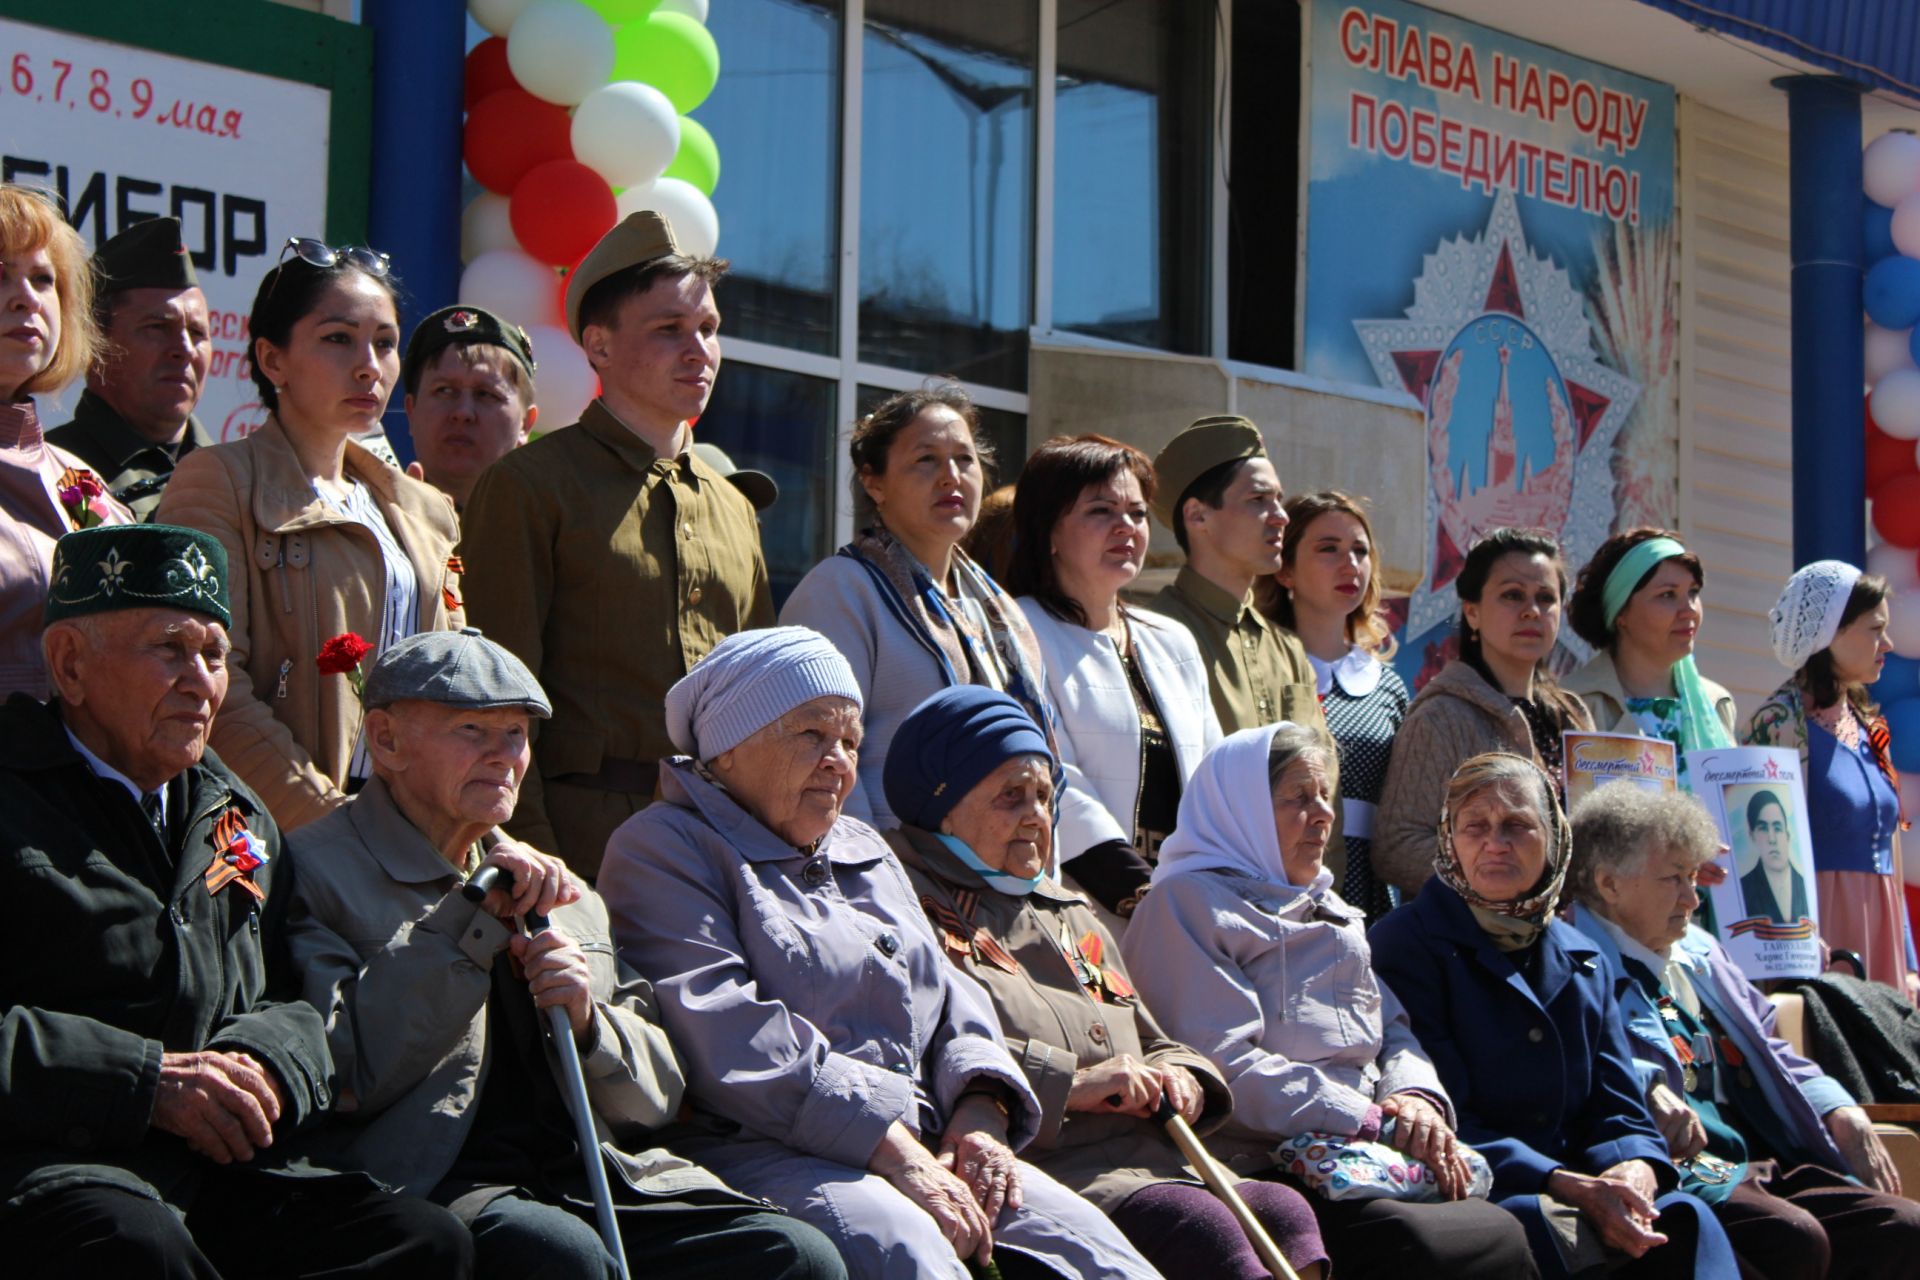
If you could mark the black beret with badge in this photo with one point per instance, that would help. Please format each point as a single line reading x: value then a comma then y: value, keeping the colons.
x: 146, y: 255
x: 462, y: 325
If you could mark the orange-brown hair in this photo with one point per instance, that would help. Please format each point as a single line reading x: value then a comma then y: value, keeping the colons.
x: 1365, y: 626
x: 29, y: 220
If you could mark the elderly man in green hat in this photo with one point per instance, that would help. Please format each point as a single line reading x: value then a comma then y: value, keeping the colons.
x: 135, y: 419
x: 468, y: 377
x: 154, y: 1056
x: 611, y: 557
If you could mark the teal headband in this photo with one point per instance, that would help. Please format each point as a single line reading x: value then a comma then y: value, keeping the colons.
x: 1633, y: 566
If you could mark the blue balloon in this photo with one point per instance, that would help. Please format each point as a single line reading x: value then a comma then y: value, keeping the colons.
x: 1899, y: 680
x: 1913, y: 345
x: 1879, y: 233
x: 1892, y: 292
x: 1903, y: 722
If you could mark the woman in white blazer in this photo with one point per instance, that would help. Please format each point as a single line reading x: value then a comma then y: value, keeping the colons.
x: 1127, y: 685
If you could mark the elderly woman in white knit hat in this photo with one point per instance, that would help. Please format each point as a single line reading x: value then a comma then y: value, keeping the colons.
x: 837, y: 1064
x: 1830, y: 630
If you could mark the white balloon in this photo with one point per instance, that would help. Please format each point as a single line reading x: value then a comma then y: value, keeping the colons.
x: 1887, y: 350
x: 1906, y: 225
x: 513, y: 286
x: 1895, y: 404
x: 1898, y: 565
x: 486, y: 225
x: 565, y: 382
x: 626, y: 132
x: 560, y: 50
x: 695, y: 9
x: 497, y: 16
x: 1904, y: 624
x: 1890, y: 169
x: 696, y: 227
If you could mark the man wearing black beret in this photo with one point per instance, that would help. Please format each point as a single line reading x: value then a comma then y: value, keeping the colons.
x: 155, y: 1058
x: 468, y: 376
x: 135, y: 420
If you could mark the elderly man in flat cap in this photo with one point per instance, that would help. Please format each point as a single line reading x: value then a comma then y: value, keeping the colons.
x: 468, y: 377
x: 611, y: 558
x: 447, y: 1085
x: 135, y: 419
x: 155, y: 1059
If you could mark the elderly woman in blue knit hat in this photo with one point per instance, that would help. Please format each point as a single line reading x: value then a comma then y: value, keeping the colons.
x: 837, y: 1064
x: 973, y: 782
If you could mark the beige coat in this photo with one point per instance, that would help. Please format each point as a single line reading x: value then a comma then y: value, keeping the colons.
x: 1053, y: 1027
x: 1457, y: 716
x: 1597, y: 684
x: 399, y: 963
x: 300, y: 574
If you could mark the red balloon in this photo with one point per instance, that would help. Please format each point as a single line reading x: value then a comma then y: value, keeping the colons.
x: 560, y: 210
x: 1896, y: 511
x: 509, y: 133
x: 487, y: 71
x: 1887, y: 458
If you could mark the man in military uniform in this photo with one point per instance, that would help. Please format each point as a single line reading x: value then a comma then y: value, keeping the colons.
x: 135, y: 419
x: 154, y: 1054
x: 610, y: 557
x: 468, y: 376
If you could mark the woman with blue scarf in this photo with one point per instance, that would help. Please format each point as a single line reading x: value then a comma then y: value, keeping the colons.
x: 1638, y: 604
x: 973, y: 782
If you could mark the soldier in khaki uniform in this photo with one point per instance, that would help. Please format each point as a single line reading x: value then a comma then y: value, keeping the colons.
x: 135, y: 419
x: 609, y: 556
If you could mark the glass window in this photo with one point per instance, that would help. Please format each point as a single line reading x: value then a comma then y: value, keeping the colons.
x: 783, y: 424
x: 1263, y: 184
x: 775, y: 117
x: 1132, y: 182
x: 946, y: 187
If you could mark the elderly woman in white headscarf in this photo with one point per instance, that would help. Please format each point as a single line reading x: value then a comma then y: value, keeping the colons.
x: 838, y: 1065
x: 1247, y: 954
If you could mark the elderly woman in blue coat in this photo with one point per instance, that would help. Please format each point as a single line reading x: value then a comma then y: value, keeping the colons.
x: 1760, y: 1133
x: 838, y: 1065
x: 1518, y: 1012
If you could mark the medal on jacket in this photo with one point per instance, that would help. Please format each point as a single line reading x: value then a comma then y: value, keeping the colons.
x: 1689, y: 1077
x: 1083, y: 957
x: 961, y: 939
x: 237, y: 853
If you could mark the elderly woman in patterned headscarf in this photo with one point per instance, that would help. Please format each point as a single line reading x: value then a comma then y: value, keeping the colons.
x: 1520, y: 1019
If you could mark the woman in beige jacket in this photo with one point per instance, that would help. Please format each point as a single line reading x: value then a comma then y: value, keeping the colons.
x: 1496, y: 696
x: 322, y: 536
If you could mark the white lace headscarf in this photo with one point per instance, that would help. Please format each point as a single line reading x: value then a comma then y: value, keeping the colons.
x: 1807, y: 618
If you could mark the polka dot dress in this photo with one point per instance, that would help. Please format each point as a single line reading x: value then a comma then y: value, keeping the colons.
x: 1363, y: 726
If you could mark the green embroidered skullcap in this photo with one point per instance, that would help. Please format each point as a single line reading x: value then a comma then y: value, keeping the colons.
x: 138, y: 566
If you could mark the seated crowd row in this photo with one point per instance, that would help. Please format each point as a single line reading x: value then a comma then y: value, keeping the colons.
x: 843, y: 913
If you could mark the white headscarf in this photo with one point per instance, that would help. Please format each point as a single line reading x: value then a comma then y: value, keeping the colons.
x: 1807, y: 618
x: 1226, y: 815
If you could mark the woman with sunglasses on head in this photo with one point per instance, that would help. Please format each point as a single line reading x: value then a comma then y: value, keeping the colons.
x: 322, y: 536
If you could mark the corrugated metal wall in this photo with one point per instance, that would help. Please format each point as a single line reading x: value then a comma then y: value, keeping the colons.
x: 1736, y: 480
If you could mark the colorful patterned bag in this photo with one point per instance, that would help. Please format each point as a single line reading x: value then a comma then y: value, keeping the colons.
x: 1343, y: 1168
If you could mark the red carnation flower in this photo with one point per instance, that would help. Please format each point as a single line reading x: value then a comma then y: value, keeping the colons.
x: 342, y: 654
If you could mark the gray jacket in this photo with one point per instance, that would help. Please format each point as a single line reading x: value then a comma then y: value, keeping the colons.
x: 399, y: 963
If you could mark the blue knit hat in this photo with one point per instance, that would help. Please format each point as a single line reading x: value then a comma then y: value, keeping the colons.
x: 948, y: 744
x: 748, y: 681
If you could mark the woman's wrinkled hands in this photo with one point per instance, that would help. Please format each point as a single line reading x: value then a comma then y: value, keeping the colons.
x: 929, y: 1181
x: 1124, y: 1085
x: 1619, y: 1204
x: 1866, y: 1155
x: 975, y: 1149
x: 1686, y: 1136
x: 1422, y: 1133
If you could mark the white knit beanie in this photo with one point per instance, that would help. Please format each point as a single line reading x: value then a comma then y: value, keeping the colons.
x: 748, y: 681
x: 1808, y: 616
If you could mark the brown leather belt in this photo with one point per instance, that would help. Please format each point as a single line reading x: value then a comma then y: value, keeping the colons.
x: 633, y: 777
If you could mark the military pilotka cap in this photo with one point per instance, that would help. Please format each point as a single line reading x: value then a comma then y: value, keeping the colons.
x: 110, y: 568
x: 147, y: 255
x: 455, y: 669
x: 462, y: 326
x: 1194, y: 452
x: 639, y: 239
x: 759, y: 487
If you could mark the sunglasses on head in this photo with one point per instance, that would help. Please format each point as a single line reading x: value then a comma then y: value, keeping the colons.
x: 318, y: 253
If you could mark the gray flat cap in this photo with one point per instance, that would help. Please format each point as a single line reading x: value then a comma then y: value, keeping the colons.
x: 456, y: 669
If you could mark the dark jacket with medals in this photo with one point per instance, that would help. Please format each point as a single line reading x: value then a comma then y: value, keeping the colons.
x: 136, y: 470
x: 119, y: 953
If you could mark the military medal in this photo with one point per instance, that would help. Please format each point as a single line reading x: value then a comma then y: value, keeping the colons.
x: 1689, y: 1078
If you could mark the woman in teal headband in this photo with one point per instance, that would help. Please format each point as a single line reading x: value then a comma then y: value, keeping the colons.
x: 1638, y: 604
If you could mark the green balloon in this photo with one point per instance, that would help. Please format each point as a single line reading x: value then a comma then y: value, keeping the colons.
x: 671, y: 52
x: 698, y: 159
x: 619, y: 11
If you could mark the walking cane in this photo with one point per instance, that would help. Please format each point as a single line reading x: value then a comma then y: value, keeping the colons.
x: 1220, y: 1180
x: 574, y: 1082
